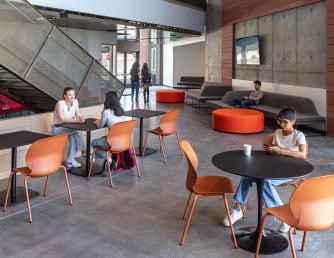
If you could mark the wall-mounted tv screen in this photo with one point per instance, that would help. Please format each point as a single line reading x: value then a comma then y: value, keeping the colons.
x: 247, y: 50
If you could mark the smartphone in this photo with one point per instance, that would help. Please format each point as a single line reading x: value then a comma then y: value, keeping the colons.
x: 267, y: 145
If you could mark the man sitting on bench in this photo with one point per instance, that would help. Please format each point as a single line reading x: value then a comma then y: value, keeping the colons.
x: 252, y: 100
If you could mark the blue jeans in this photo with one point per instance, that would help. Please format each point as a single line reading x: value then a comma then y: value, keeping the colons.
x: 270, y: 195
x: 134, y: 87
x: 243, y: 103
x: 100, y: 154
x: 75, y: 142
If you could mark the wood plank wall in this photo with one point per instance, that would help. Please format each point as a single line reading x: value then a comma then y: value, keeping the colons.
x: 241, y: 10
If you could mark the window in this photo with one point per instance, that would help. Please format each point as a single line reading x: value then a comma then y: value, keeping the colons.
x: 153, y: 59
x: 153, y: 36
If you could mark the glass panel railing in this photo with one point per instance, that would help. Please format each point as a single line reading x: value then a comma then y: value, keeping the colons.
x: 96, y: 85
x: 22, y: 32
x: 61, y: 63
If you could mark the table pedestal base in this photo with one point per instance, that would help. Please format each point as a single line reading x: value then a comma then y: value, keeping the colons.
x: 20, y: 196
x: 82, y: 171
x: 272, y: 241
x: 148, y: 151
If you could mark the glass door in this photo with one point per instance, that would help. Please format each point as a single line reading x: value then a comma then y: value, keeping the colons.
x: 125, y: 61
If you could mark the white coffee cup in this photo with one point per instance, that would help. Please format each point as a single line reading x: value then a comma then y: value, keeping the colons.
x: 247, y: 149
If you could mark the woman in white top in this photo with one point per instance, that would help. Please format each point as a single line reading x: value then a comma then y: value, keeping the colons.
x: 111, y: 114
x: 286, y: 141
x: 67, y: 110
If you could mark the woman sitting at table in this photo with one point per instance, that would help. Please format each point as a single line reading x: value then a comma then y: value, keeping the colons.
x: 111, y: 114
x: 67, y: 111
x: 286, y: 141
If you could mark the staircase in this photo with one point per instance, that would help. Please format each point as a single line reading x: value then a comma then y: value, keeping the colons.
x: 38, y: 60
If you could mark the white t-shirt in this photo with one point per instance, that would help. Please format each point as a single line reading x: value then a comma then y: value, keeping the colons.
x: 108, y: 118
x: 289, y: 142
x: 68, y: 113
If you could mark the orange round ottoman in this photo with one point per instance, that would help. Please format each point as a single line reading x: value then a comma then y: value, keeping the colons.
x: 170, y: 96
x: 237, y: 120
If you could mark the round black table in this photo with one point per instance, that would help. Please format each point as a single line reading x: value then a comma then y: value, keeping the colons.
x: 260, y: 166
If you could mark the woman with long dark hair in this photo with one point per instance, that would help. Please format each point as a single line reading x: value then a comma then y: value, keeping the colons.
x: 146, y: 81
x: 134, y: 72
x: 111, y: 114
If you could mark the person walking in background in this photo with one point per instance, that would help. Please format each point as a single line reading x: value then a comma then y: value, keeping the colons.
x: 134, y: 72
x: 112, y: 113
x: 146, y: 82
x: 67, y: 111
x: 252, y: 100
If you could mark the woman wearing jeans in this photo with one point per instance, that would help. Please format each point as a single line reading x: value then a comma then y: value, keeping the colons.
x: 134, y: 72
x: 286, y: 141
x: 111, y: 114
x: 67, y: 110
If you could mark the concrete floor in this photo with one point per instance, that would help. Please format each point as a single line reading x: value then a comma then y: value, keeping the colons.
x: 141, y: 217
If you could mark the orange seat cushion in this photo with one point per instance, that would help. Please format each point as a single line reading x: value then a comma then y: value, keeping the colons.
x: 170, y: 96
x: 237, y: 120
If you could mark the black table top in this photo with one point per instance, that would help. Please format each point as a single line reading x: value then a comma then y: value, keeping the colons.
x: 261, y: 165
x: 20, y: 138
x: 143, y: 113
x: 87, y: 126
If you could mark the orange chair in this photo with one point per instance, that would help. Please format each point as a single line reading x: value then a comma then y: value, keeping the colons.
x: 43, y: 159
x: 311, y: 208
x: 167, y: 127
x: 204, y: 186
x: 119, y: 138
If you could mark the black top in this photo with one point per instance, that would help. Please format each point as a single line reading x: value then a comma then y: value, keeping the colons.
x: 20, y: 138
x: 143, y: 113
x: 87, y: 126
x: 261, y: 165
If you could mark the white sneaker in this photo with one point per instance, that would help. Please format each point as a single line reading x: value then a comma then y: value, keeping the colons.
x: 283, y: 228
x: 235, y: 216
x: 73, y: 164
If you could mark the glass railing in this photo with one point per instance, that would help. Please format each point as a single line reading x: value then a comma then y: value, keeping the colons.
x: 40, y: 53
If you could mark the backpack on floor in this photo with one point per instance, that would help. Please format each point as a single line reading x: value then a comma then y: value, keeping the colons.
x: 126, y: 160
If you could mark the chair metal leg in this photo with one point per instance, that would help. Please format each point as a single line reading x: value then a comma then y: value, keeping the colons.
x: 134, y: 154
x: 8, y: 189
x: 161, y: 138
x: 258, y: 245
x: 91, y: 163
x: 234, y: 240
x: 186, y: 209
x: 145, y: 142
x: 188, y: 221
x: 68, y: 186
x: 109, y: 171
x: 293, y: 250
x: 27, y: 196
x: 178, y: 141
x: 304, y: 241
x: 46, y: 185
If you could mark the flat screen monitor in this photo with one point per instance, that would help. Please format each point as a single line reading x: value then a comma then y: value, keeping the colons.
x: 247, y: 50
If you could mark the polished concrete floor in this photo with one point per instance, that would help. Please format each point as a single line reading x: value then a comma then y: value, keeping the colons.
x: 141, y: 217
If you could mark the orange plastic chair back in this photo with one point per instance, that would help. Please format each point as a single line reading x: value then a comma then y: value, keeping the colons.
x: 268, y: 139
x: 168, y: 122
x: 192, y: 164
x: 44, y: 156
x: 120, y: 136
x: 312, y: 203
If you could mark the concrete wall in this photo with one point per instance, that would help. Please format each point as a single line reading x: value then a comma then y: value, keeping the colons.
x: 292, y: 47
x: 213, y: 41
x: 188, y: 60
x: 150, y: 11
x: 91, y: 40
